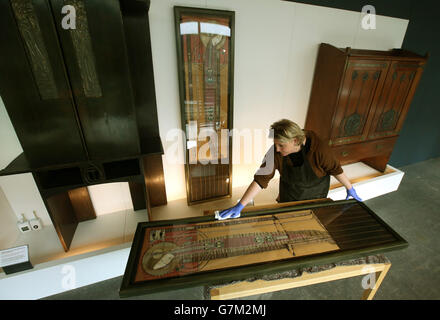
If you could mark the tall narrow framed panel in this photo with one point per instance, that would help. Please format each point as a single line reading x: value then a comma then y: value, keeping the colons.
x: 205, y: 52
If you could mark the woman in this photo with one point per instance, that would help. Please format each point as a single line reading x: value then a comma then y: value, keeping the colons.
x: 305, y: 164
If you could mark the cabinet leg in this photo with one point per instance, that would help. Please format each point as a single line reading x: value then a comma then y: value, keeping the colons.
x: 154, y: 180
x: 379, y: 163
x: 138, y: 195
x: 63, y: 217
x: 82, y: 204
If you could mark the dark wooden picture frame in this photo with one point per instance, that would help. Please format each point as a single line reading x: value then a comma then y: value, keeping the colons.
x: 357, y: 230
x: 205, y: 57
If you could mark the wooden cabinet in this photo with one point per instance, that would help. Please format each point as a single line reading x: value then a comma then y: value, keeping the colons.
x: 82, y: 102
x: 359, y: 100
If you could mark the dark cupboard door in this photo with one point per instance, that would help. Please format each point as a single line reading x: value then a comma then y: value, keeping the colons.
x: 395, y: 99
x: 362, y: 79
x: 96, y: 60
x: 34, y: 85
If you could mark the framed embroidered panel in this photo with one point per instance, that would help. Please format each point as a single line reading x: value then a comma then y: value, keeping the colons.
x: 168, y: 255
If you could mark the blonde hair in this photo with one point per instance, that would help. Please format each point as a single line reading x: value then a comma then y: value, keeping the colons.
x: 286, y: 130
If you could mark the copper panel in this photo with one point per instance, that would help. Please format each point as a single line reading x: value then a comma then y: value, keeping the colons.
x: 84, y: 51
x: 30, y: 31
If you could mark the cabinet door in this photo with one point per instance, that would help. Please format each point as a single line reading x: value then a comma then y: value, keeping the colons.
x: 362, y: 79
x: 96, y: 60
x: 34, y: 85
x: 395, y: 98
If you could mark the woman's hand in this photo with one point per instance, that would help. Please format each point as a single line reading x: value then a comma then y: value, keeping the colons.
x: 233, y: 212
x: 352, y: 193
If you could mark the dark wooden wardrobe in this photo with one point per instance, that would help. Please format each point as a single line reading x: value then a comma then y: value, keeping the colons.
x: 82, y: 102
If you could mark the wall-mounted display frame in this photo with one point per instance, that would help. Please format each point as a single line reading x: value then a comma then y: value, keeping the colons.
x: 205, y: 53
x: 175, y: 254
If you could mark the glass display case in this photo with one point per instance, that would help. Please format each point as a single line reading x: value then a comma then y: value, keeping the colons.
x: 168, y: 255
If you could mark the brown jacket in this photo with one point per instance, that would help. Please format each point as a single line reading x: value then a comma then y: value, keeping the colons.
x: 320, y: 157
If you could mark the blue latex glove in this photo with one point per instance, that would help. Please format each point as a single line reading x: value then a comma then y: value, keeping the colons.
x: 352, y: 193
x: 233, y: 212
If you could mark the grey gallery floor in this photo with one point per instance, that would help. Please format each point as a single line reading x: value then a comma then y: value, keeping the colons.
x: 413, y: 211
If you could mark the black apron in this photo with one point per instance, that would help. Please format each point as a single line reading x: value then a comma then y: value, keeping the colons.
x: 301, y: 183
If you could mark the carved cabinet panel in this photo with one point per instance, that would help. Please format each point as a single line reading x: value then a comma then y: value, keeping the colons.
x: 362, y: 80
x: 394, y: 100
x: 361, y: 96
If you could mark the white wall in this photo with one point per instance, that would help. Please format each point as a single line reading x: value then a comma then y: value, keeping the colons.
x: 8, y: 223
x: 276, y: 44
x: 9, y: 145
x: 20, y: 192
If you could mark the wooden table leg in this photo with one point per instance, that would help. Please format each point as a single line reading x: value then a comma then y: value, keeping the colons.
x: 244, y: 288
x: 379, y: 276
